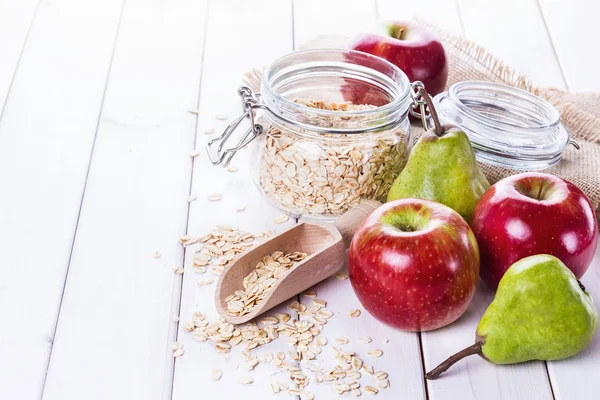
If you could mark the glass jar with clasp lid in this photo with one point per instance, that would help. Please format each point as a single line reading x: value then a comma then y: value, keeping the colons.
x: 330, y: 128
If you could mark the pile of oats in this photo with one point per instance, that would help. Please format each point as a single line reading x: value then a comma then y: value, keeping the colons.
x: 304, y: 335
x: 307, y: 343
x: 328, y: 176
x: 259, y: 281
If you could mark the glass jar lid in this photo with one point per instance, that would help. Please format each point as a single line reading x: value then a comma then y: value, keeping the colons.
x: 508, y: 127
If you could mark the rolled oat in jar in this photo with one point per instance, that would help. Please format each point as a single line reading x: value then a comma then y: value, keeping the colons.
x: 307, y: 173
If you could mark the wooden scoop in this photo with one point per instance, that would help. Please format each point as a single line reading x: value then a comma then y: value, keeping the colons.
x: 325, y: 245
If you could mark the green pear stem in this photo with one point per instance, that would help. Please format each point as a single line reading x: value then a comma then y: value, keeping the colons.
x: 440, y: 369
x: 438, y: 128
x: 581, y: 285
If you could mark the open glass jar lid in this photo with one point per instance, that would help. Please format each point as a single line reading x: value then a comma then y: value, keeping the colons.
x: 508, y: 127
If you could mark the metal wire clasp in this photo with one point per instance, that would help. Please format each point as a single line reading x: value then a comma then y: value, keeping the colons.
x: 419, y: 102
x: 249, y: 103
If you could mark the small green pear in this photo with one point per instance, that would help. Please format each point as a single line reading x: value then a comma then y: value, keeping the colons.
x: 442, y: 167
x: 540, y: 312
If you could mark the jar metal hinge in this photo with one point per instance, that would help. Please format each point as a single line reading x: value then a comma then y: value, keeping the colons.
x: 250, y: 102
x: 418, y: 102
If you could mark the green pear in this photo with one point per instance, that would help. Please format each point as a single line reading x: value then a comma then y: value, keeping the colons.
x: 442, y: 167
x: 540, y: 312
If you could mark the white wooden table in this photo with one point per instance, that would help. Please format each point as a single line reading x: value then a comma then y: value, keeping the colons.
x: 95, y: 172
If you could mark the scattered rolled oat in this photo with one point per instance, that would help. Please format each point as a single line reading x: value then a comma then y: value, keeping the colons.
x: 281, y: 219
x: 209, y: 131
x: 368, y: 369
x: 354, y: 313
x: 342, y: 340
x: 178, y: 270
x: 275, y: 387
x: 375, y: 353
x: 205, y: 282
x: 252, y: 363
x: 178, y: 353
x: 246, y: 380
x: 310, y: 293
x: 189, y: 326
x: 371, y: 390
x: 364, y: 339
x: 341, y: 276
x: 240, y: 208
x: 217, y: 374
x: 231, y: 168
x: 199, y: 269
x: 193, y: 111
x: 194, y: 154
x: 383, y: 383
x: 221, y: 117
x: 380, y: 375
x: 215, y: 197
x: 304, y: 395
x: 320, y: 302
x: 192, y: 198
x: 156, y: 254
x: 259, y: 282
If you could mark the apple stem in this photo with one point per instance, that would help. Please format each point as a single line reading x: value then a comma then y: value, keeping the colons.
x: 469, y: 351
x: 400, y: 33
x: 438, y: 128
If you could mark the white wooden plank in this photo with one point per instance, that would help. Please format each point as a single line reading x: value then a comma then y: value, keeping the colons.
x: 401, y: 358
x: 443, y: 13
x: 240, y: 35
x: 575, y: 377
x: 111, y: 339
x: 474, y: 378
x: 568, y: 24
x: 514, y: 31
x: 46, y: 138
x: 15, y: 20
x: 571, y: 26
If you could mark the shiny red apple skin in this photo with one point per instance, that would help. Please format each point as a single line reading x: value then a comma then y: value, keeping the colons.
x: 414, y: 281
x: 420, y: 54
x: 509, y: 225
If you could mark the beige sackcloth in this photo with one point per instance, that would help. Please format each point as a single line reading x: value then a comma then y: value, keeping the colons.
x: 580, y: 112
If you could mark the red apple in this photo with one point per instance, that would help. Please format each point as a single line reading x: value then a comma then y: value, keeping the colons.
x: 414, y: 264
x: 411, y: 47
x: 533, y: 213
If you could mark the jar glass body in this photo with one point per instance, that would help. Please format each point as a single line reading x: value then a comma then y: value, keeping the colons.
x: 335, y: 131
x: 508, y: 127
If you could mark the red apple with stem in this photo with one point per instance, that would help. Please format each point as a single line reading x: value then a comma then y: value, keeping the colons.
x: 414, y: 264
x: 533, y: 213
x: 411, y: 47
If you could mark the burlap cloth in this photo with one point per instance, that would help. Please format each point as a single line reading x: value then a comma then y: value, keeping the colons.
x: 580, y: 112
